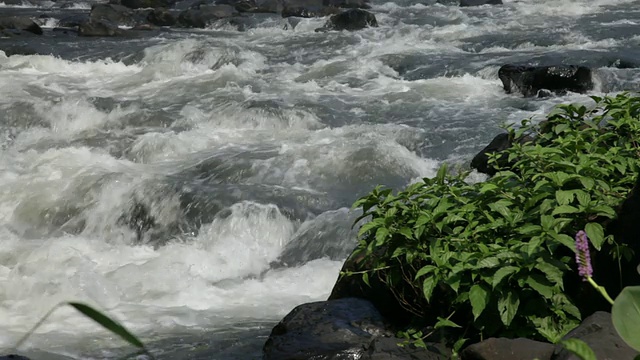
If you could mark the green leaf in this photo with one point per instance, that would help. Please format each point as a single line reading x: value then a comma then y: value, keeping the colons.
x: 427, y: 287
x: 565, y: 209
x: 595, y: 232
x: 551, y: 272
x: 625, y: 315
x: 425, y: 270
x: 502, y: 273
x: 541, y: 285
x: 579, y: 348
x: 108, y: 323
x: 564, y: 197
x: 365, y: 278
x: 442, y: 322
x: 486, y: 187
x: 479, y: 298
x: 508, y: 307
x: 381, y: 235
x: 489, y: 262
x: 370, y: 225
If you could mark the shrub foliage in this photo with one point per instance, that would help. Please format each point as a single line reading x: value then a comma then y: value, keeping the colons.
x: 491, y: 258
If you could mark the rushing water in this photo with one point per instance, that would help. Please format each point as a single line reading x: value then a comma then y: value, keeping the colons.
x: 247, y: 149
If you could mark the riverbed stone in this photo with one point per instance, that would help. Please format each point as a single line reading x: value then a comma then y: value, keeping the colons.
x: 529, y: 80
x: 508, y: 349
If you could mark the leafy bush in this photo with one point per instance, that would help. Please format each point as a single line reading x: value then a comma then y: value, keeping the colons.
x: 490, y: 259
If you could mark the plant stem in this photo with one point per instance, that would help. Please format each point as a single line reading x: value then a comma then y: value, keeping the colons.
x: 600, y: 289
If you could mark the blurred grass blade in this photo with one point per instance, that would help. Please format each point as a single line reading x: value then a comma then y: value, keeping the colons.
x: 108, y: 324
x: 579, y: 348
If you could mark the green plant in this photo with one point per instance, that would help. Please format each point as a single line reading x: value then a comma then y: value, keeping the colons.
x: 105, y: 321
x: 490, y: 259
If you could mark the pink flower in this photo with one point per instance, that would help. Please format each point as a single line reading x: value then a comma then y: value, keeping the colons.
x: 583, y: 258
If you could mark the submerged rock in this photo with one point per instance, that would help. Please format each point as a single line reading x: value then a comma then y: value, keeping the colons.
x: 508, y: 349
x: 144, y: 4
x: 19, y: 23
x: 161, y: 17
x: 113, y: 13
x: 306, y: 8
x: 529, y: 80
x: 351, y: 20
x: 94, y: 28
x: 13, y: 357
x: 479, y: 2
x: 205, y: 16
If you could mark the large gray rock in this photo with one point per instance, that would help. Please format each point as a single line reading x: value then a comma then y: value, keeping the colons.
x: 345, y: 329
x: 205, y: 15
x: 306, y: 8
x: 598, y: 332
x: 351, y: 20
x: 143, y: 4
x: 13, y: 357
x: 19, y: 23
x: 95, y: 28
x: 508, y: 349
x: 113, y: 13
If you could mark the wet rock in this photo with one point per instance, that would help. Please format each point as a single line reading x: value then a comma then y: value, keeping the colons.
x: 339, y: 329
x: 306, y: 9
x: 73, y: 20
x: 598, y: 332
x: 386, y: 348
x: 13, y: 357
x: 529, y: 80
x: 161, y: 17
x: 499, y: 143
x: 15, y: 49
x: 269, y: 6
x: 145, y: 4
x: 113, y: 13
x: 351, y: 20
x: 96, y: 28
x: 377, y: 292
x: 205, y: 16
x: 19, y: 23
x: 480, y: 2
x: 347, y: 4
x: 508, y: 349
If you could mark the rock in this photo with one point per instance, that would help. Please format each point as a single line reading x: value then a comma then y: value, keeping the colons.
x: 480, y: 2
x: 378, y: 293
x: 161, y: 17
x: 598, y: 332
x: 351, y: 20
x: 205, y: 16
x: 508, y: 349
x: 528, y: 80
x: 145, y: 4
x: 269, y: 6
x: 347, y: 4
x: 325, y: 330
x: 13, y: 357
x: 499, y: 143
x: 340, y: 329
x: 15, y: 49
x: 306, y: 8
x: 20, y: 23
x: 73, y: 20
x: 112, y: 13
x: 95, y: 28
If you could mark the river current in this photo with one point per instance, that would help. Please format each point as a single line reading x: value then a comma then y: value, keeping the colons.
x: 247, y: 148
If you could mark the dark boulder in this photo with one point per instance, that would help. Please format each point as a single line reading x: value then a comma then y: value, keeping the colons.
x: 161, y: 17
x: 529, y: 80
x: 345, y: 329
x: 306, y: 8
x: 145, y: 4
x: 499, y: 143
x: 13, y: 357
x: 347, y: 4
x: 598, y: 332
x: 73, y: 21
x: 113, y: 13
x: 351, y: 20
x: 95, y: 28
x: 269, y: 6
x: 205, y: 16
x: 508, y: 349
x: 480, y: 2
x: 377, y: 292
x: 19, y: 23
x: 240, y: 5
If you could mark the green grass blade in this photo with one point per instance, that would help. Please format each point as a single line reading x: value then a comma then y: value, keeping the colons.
x: 108, y: 323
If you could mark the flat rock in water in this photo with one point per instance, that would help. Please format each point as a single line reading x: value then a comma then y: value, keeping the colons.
x: 20, y: 23
x: 508, y: 349
x: 351, y: 20
x: 598, y: 332
x: 205, y: 16
x: 529, y: 80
